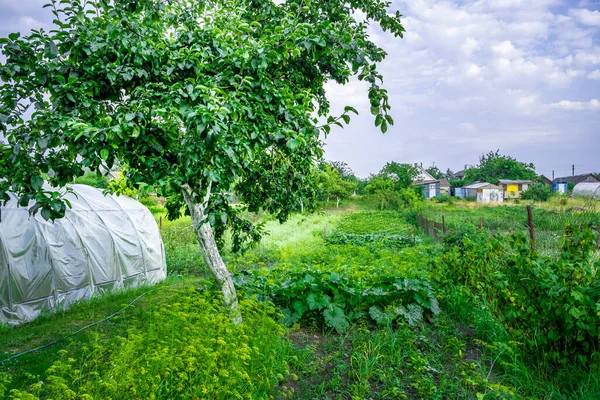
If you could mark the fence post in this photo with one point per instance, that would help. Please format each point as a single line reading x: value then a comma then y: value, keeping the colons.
x: 160, y: 223
x: 444, y: 225
x: 531, y: 227
x: 480, y: 223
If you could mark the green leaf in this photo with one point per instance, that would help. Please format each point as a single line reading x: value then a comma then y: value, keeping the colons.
x: 336, y: 318
x: 378, y: 120
x: 350, y: 109
x: 14, y: 36
x: 50, y: 49
x: 104, y: 154
x: 46, y: 214
x: 37, y: 182
x: 384, y: 127
x: 136, y: 132
x: 293, y: 144
x: 129, y: 116
x: 317, y: 301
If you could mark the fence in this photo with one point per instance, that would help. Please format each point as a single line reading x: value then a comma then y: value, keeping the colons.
x: 545, y: 228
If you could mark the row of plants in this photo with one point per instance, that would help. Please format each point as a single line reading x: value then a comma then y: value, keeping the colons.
x: 550, y: 304
x: 186, y: 347
x: 315, y: 297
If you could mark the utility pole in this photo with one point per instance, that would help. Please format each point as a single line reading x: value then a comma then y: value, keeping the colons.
x: 552, y: 175
x: 573, y: 169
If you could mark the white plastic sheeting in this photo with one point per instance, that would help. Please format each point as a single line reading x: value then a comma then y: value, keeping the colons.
x: 102, y: 244
x: 587, y: 189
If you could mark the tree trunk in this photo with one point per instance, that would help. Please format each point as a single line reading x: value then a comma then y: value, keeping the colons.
x: 211, y: 254
x: 337, y: 202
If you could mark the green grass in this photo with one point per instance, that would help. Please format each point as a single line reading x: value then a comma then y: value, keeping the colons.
x: 177, y: 341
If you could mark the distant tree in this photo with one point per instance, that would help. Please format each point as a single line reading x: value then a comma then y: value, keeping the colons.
x: 343, y: 169
x: 493, y: 166
x: 537, y: 191
x: 382, y: 190
x: 331, y: 184
x: 456, y: 183
x: 403, y: 175
x: 435, y: 172
x: 449, y: 174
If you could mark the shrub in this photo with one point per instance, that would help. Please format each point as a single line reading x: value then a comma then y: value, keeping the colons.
x: 551, y: 305
x: 92, y: 179
x: 537, y: 191
x: 187, y: 348
x: 443, y: 199
x: 335, y: 299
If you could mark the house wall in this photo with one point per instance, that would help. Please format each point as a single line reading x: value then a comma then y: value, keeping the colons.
x: 490, y: 196
x: 561, y: 188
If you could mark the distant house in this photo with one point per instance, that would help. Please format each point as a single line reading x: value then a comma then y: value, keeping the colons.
x: 544, y: 180
x: 459, y: 174
x: 428, y: 183
x: 430, y: 189
x: 575, y: 179
x: 423, y: 176
x: 513, y: 188
x: 560, y: 187
x: 482, y: 192
x: 444, y: 187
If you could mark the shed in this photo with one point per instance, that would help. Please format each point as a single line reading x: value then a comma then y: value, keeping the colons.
x: 483, y: 192
x: 444, y: 187
x: 430, y: 188
x: 513, y: 187
x: 560, y: 187
x: 103, y: 243
x: 587, y: 189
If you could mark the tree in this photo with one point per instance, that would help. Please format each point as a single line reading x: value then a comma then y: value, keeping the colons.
x: 344, y: 170
x: 435, y: 172
x: 537, y: 191
x: 402, y: 174
x: 382, y: 190
x: 195, y: 99
x: 494, y: 166
x: 331, y: 184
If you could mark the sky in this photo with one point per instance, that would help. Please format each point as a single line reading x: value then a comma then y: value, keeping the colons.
x: 469, y: 77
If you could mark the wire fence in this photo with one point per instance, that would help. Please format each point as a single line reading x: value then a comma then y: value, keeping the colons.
x: 544, y: 226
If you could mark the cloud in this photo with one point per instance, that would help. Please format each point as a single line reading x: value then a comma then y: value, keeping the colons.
x: 585, y: 16
x: 506, y: 49
x: 595, y: 75
x: 593, y: 104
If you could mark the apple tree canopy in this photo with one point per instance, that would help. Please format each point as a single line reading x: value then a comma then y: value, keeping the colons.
x: 215, y: 96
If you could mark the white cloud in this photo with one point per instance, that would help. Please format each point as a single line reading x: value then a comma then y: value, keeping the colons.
x: 586, y: 17
x: 467, y: 126
x: 595, y: 75
x: 591, y: 56
x: 506, y: 49
x: 593, y: 104
x: 470, y: 46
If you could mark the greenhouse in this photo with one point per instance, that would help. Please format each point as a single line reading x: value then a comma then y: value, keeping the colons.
x: 103, y: 243
x: 587, y: 189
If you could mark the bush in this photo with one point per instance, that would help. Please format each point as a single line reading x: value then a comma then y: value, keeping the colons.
x: 443, y: 199
x: 92, y: 179
x: 187, y: 348
x: 336, y: 299
x: 538, y: 192
x: 551, y: 305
